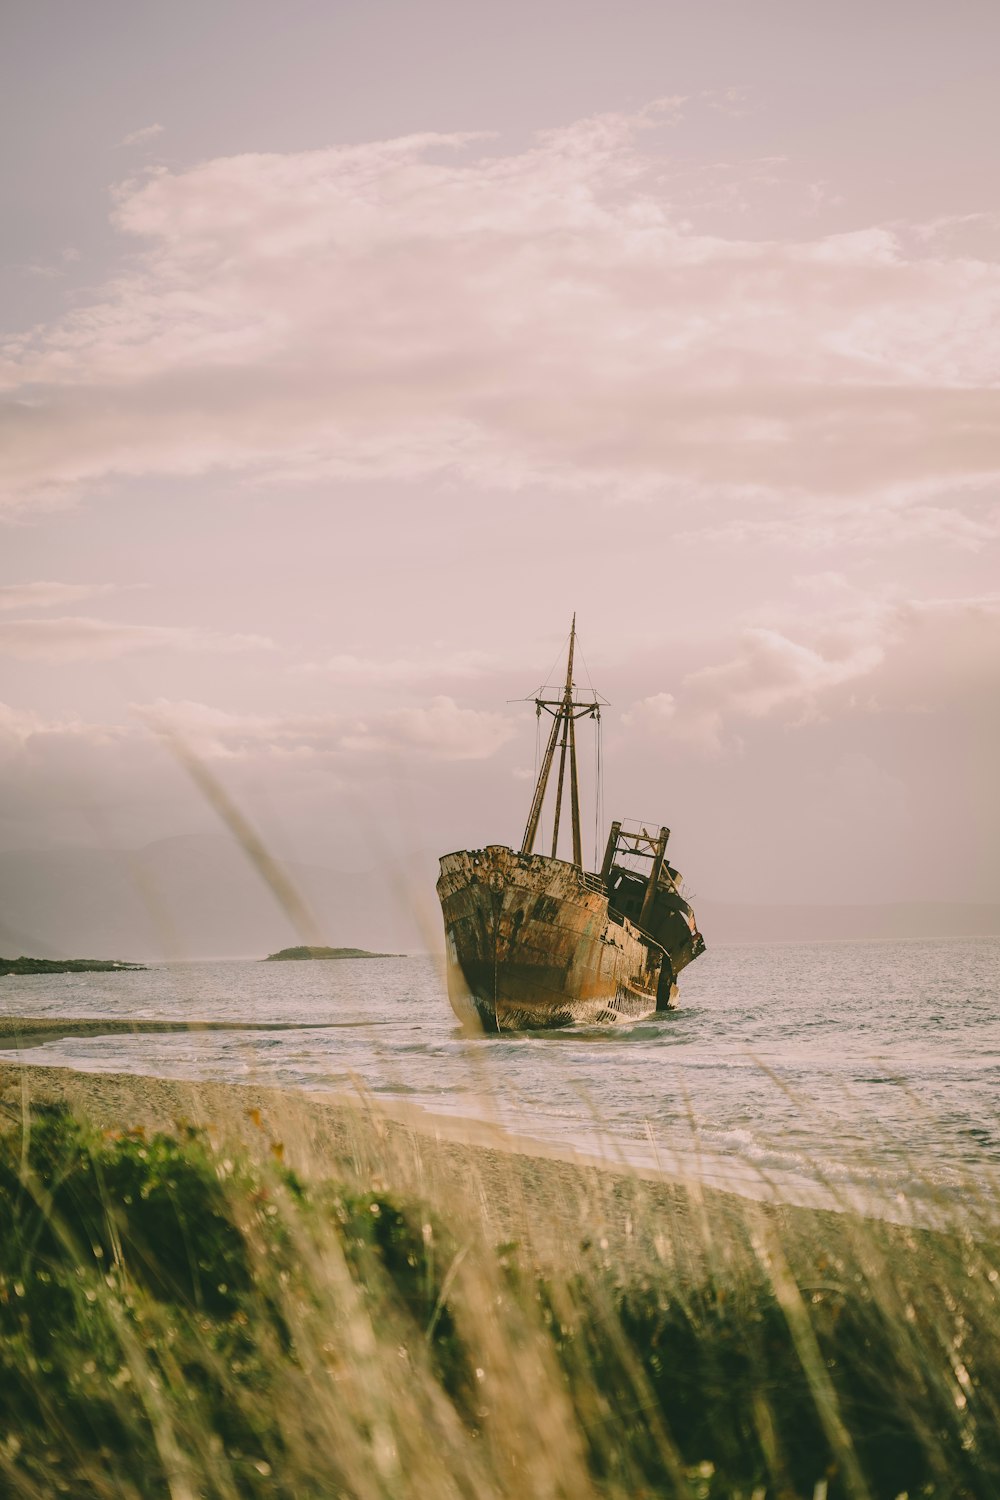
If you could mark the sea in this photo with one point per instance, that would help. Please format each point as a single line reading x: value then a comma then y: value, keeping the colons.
x: 847, y: 1074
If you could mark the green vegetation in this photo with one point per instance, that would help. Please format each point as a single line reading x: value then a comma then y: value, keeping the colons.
x: 185, y: 1322
x: 306, y: 952
x: 66, y: 966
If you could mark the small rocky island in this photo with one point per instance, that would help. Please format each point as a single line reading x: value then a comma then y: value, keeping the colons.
x: 67, y: 966
x: 287, y: 954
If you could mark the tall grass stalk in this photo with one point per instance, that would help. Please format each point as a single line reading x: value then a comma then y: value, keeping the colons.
x: 225, y: 1314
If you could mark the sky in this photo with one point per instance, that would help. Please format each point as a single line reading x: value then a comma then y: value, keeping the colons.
x: 347, y: 350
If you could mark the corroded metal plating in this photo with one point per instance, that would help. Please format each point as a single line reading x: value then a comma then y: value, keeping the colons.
x: 531, y: 943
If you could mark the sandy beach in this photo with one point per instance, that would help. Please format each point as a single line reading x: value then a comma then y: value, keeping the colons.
x: 516, y: 1183
x: 517, y: 1187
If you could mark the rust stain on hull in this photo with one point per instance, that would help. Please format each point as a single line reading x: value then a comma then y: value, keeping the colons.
x: 531, y: 943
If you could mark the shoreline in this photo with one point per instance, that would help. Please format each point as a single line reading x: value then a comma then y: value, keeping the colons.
x: 518, y: 1190
x: 35, y: 1031
x: 158, y: 1101
x: 524, y: 1189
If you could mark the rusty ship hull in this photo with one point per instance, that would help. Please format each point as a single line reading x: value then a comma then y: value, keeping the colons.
x: 531, y: 944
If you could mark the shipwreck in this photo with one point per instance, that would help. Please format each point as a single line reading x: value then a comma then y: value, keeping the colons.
x: 535, y: 941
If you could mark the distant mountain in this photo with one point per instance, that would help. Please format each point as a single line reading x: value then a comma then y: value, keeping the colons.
x: 197, y: 896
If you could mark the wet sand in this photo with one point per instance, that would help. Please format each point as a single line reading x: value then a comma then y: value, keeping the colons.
x: 34, y: 1031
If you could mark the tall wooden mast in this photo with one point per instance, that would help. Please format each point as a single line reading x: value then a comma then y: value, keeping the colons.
x: 565, y: 711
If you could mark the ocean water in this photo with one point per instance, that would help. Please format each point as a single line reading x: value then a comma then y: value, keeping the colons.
x: 834, y: 1072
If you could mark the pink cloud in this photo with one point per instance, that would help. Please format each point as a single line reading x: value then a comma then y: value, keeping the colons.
x: 854, y: 655
x: 79, y: 638
x: 439, y: 730
x: 423, y: 307
x: 47, y: 594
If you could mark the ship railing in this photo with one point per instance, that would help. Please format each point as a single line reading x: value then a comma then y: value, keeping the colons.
x: 594, y: 883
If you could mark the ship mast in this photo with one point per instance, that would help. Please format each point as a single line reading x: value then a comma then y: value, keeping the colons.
x: 565, y: 711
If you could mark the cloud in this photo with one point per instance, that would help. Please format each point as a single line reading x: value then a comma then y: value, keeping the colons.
x: 439, y: 730
x: 46, y: 595
x: 22, y: 728
x: 143, y: 136
x: 78, y: 638
x: 658, y: 708
x: 43, y: 272
x: 552, y: 317
x: 768, y: 672
x: 67, y: 765
x: 864, y: 656
x: 216, y: 733
x: 400, y: 671
x: 771, y: 671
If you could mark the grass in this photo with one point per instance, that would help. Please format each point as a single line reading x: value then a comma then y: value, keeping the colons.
x: 188, y: 1317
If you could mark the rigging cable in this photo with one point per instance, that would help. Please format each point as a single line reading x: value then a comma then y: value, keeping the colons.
x: 599, y: 769
x: 552, y: 681
x: 597, y: 783
x: 598, y: 794
x: 538, y: 740
x: 541, y: 692
x: 538, y: 736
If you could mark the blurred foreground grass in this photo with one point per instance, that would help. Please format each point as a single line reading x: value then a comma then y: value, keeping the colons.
x: 185, y: 1316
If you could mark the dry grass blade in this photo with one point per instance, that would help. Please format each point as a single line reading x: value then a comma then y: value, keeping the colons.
x: 284, y: 891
